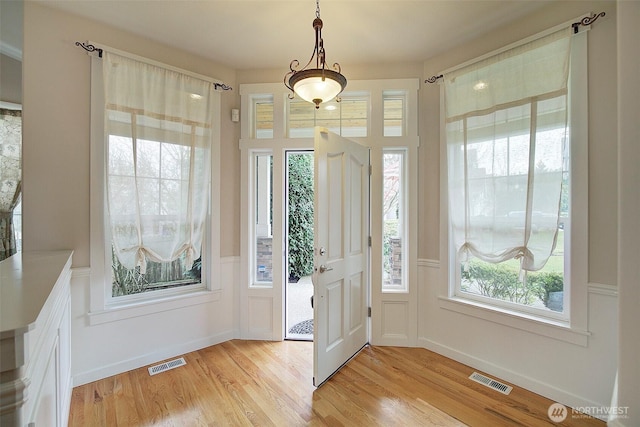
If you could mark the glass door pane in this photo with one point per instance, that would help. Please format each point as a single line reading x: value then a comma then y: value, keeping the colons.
x: 263, y: 220
x: 394, y: 223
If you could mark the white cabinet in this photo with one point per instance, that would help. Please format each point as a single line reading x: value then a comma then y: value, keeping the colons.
x: 35, y: 327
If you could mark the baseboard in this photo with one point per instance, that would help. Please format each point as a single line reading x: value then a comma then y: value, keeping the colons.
x: 528, y: 383
x: 147, y: 359
x: 617, y: 422
x: 258, y: 336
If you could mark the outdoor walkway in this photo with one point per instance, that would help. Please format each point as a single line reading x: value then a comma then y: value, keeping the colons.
x: 299, y: 309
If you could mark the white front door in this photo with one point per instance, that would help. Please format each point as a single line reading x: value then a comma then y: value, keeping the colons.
x: 341, y: 286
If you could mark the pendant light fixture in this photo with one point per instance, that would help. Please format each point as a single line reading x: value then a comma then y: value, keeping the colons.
x: 318, y: 84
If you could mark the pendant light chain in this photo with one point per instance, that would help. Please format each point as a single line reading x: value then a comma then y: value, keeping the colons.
x: 317, y: 8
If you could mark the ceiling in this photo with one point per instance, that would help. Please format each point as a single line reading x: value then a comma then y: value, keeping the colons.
x: 249, y: 34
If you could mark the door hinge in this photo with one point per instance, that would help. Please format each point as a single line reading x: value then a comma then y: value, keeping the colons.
x: 369, y: 312
x: 369, y: 241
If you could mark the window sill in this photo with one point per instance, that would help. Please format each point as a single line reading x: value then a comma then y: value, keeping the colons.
x: 537, y: 325
x: 122, y: 311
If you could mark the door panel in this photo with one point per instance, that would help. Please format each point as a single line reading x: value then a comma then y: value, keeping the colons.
x: 357, y: 297
x: 341, y: 252
x: 355, y: 205
x: 334, y: 179
x: 335, y: 299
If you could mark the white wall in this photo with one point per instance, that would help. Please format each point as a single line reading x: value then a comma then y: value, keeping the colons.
x: 565, y: 372
x: 570, y: 373
x: 56, y: 93
x: 102, y: 350
x: 56, y: 192
x: 629, y: 227
x: 602, y: 128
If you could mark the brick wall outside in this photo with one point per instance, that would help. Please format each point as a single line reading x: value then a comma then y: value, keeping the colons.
x: 264, y: 259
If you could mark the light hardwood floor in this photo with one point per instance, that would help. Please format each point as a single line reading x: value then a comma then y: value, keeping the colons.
x: 239, y: 383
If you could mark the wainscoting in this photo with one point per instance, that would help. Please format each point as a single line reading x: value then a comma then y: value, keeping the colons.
x: 569, y: 373
x: 117, y: 344
x: 572, y: 374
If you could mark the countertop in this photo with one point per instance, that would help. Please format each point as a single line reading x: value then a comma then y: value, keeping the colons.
x: 26, y: 281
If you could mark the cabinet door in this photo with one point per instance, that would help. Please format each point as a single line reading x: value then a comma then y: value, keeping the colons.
x: 64, y: 365
x: 47, y: 403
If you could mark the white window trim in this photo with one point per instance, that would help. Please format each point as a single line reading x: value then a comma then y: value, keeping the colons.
x: 251, y: 210
x: 573, y: 328
x: 280, y: 143
x: 104, y: 308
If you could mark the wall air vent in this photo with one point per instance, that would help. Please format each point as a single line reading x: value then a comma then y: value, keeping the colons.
x: 491, y: 383
x: 167, y: 366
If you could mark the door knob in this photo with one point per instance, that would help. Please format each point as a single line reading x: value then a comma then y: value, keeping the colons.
x: 324, y: 268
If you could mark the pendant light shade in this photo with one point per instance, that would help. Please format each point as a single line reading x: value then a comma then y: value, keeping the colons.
x: 320, y: 84
x: 317, y: 86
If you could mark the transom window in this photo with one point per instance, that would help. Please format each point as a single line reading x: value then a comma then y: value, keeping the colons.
x: 347, y: 117
x: 394, y: 113
x: 263, y: 116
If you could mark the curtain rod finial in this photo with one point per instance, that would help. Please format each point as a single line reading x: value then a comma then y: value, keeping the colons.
x: 587, y: 20
x: 90, y: 48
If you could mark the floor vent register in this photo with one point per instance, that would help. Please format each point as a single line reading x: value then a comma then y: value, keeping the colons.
x: 167, y: 366
x: 491, y: 383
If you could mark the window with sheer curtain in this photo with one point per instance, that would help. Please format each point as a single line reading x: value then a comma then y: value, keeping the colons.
x: 10, y: 178
x: 507, y: 157
x: 158, y: 124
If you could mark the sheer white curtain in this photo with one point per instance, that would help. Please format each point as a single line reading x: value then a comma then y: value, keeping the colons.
x: 158, y: 130
x: 10, y: 176
x: 506, y: 133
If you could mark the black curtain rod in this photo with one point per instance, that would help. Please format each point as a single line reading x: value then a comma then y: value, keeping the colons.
x: 91, y: 48
x: 587, y: 20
